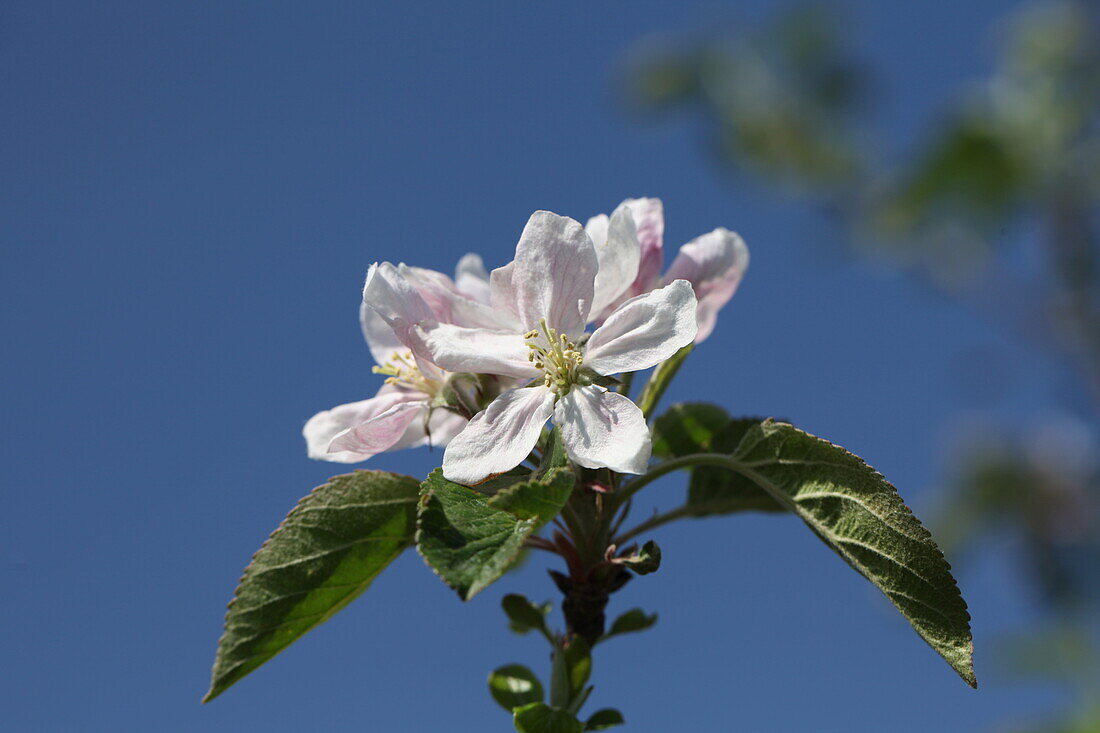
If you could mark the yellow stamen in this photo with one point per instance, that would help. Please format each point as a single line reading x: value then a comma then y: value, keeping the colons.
x: 556, y: 355
x: 403, y: 371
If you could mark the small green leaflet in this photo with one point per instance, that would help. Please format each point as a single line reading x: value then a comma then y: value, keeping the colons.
x: 470, y: 539
x: 647, y: 561
x: 633, y: 620
x: 514, y: 686
x: 324, y: 554
x: 604, y: 719
x: 857, y: 513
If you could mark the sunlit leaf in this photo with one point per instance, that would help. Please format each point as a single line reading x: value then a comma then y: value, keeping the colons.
x: 857, y: 513
x: 324, y: 554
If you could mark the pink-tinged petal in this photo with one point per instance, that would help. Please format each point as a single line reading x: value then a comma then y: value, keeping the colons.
x: 320, y: 430
x: 618, y: 254
x: 601, y: 428
x: 714, y: 264
x: 390, y: 294
x: 502, y: 293
x: 449, y: 305
x: 649, y: 221
x: 644, y: 331
x: 499, y: 437
x: 383, y: 432
x: 393, y: 297
x: 476, y: 350
x: 437, y: 290
x: 555, y: 272
x: 381, y: 340
x: 471, y: 278
x: 443, y: 426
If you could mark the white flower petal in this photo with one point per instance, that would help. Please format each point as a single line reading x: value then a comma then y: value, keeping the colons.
x: 555, y: 272
x: 596, y: 228
x: 435, y: 288
x: 393, y: 297
x: 644, y: 331
x: 320, y: 430
x: 471, y: 278
x: 476, y: 350
x: 389, y: 430
x: 601, y: 428
x: 618, y: 253
x: 499, y: 437
x: 449, y: 305
x: 502, y: 293
x: 649, y: 222
x: 381, y: 340
x: 443, y: 426
x: 390, y: 294
x: 714, y: 264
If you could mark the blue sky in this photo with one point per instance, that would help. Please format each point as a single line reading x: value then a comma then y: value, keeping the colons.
x: 192, y: 195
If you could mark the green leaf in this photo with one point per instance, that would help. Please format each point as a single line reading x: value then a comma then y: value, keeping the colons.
x: 514, y: 686
x: 633, y: 620
x: 700, y: 427
x: 496, y: 484
x: 857, y: 513
x: 647, y: 561
x: 604, y: 719
x: 465, y: 540
x: 541, y: 498
x: 713, y: 490
x: 578, y: 663
x: 688, y: 427
x: 324, y: 554
x: 525, y: 615
x: 540, y: 718
x: 560, y: 687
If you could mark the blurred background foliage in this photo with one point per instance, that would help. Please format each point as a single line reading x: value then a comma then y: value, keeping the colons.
x: 996, y: 205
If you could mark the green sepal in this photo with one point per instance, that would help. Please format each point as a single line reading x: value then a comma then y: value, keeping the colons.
x: 514, y: 685
x: 325, y: 553
x: 540, y: 718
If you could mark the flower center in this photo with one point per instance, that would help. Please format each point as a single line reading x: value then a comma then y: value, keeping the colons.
x: 401, y: 370
x: 557, y: 357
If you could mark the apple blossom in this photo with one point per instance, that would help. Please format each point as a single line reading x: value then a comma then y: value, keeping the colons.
x: 713, y: 263
x: 546, y: 294
x: 406, y: 412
